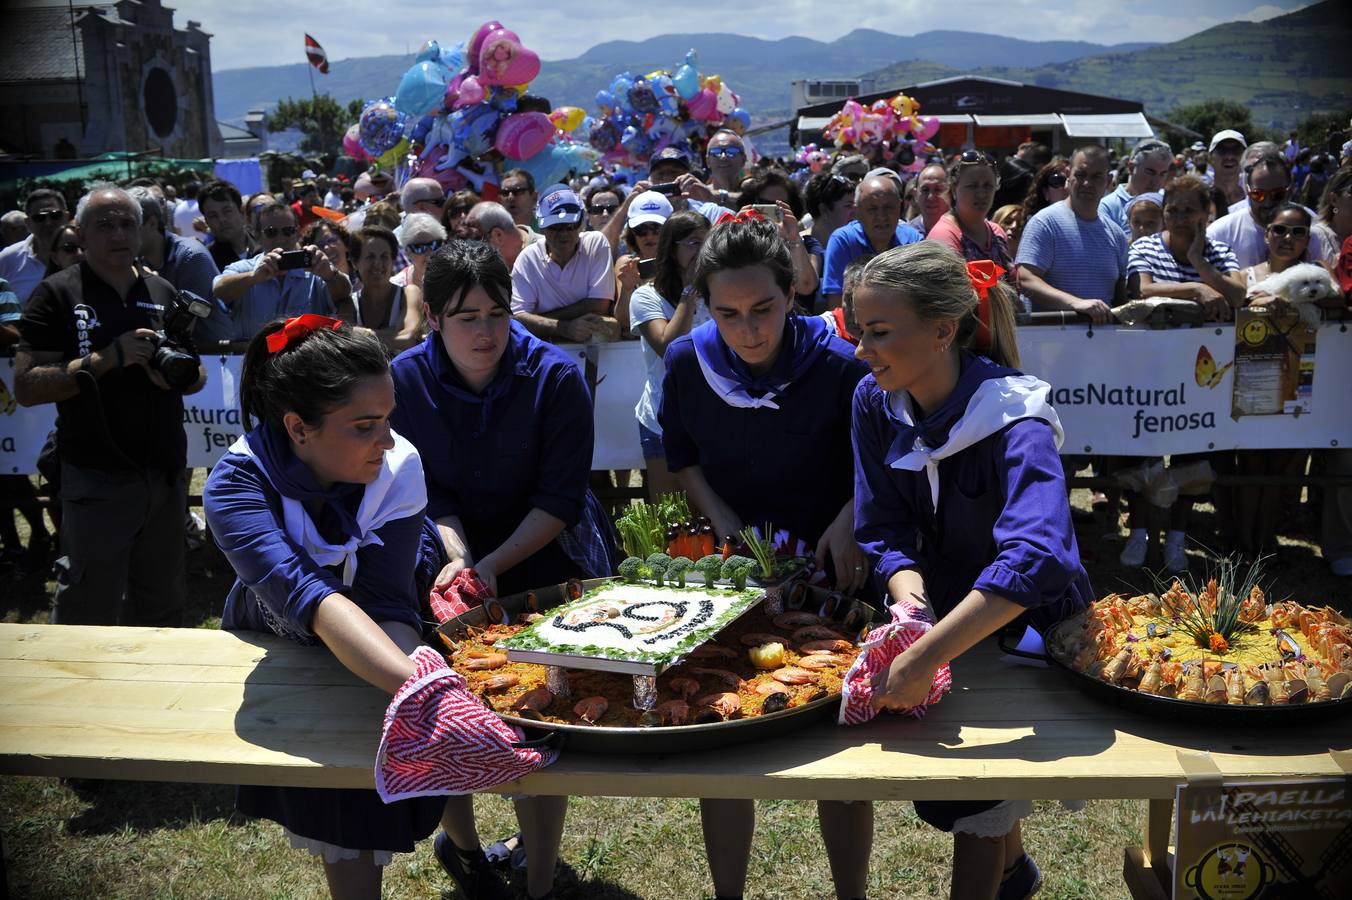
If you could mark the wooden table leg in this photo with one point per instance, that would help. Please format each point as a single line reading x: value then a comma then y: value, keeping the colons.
x: 1159, y: 818
x: 1146, y: 870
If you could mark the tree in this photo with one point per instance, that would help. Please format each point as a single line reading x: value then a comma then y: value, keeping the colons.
x: 1210, y: 116
x: 1324, y: 131
x: 320, y: 118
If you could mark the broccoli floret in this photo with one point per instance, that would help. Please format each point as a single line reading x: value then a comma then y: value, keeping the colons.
x: 678, y: 568
x: 737, y: 568
x: 709, y: 566
x: 658, y: 562
x: 632, y: 569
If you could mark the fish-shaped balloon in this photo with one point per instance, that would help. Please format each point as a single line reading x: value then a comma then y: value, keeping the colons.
x: 1208, y: 376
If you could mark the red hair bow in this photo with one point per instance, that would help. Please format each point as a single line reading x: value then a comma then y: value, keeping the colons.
x: 746, y: 215
x: 984, y: 274
x: 298, y: 328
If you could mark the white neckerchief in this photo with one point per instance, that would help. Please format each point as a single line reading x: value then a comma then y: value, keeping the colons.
x: 397, y: 493
x: 732, y: 393
x: 994, y: 405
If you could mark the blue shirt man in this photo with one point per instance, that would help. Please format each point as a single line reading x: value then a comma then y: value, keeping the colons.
x: 877, y: 228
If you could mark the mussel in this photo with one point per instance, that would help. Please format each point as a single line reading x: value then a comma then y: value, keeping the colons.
x: 1156, y: 630
x: 1286, y: 645
x: 650, y: 719
x: 1297, y: 691
x: 1340, y: 685
x: 774, y: 703
x: 1257, y: 695
x: 1215, y: 690
x: 706, y: 715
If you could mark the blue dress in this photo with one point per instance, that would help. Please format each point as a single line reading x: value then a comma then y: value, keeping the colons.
x: 790, y: 465
x: 277, y: 590
x: 524, y: 443
x: 1002, y: 523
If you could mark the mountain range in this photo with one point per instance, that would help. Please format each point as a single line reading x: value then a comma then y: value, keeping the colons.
x: 1283, y: 68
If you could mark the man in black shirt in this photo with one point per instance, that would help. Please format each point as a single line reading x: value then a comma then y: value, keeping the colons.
x: 222, y: 207
x: 87, y: 344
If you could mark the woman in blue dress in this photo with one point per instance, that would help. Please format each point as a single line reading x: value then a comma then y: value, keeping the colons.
x: 504, y: 424
x: 320, y: 510
x: 755, y: 425
x: 960, y: 502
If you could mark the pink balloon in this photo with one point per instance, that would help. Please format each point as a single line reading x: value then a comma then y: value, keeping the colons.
x: 476, y: 42
x: 504, y: 61
x: 522, y: 135
x: 929, y: 128
x: 853, y: 110
x: 703, y: 106
x: 471, y: 92
x: 352, y: 144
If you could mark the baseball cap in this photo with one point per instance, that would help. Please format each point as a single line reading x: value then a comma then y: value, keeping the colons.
x: 669, y: 154
x: 648, y: 206
x: 1228, y: 134
x: 884, y: 172
x: 1197, y: 145
x: 1155, y: 197
x: 558, y: 205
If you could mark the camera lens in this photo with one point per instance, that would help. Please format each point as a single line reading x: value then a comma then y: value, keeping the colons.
x: 178, y: 368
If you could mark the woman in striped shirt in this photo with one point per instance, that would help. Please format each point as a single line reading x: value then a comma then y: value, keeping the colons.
x: 1181, y: 261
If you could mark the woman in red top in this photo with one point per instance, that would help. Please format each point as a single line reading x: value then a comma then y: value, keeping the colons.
x: 965, y: 227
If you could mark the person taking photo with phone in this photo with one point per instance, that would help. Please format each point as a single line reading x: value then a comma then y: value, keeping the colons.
x: 282, y: 280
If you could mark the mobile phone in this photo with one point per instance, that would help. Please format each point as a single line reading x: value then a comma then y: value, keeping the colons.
x: 295, y: 259
x: 770, y: 211
x: 647, y: 268
x: 671, y: 189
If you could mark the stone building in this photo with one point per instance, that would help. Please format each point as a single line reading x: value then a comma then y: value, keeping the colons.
x: 80, y: 79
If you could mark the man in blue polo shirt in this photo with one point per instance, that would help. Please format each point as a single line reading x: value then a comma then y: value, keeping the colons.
x: 877, y: 228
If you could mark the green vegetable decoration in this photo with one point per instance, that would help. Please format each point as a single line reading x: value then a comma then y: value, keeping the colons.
x: 710, y: 567
x: 736, y: 569
x: 633, y: 570
x: 643, y: 527
x: 658, y: 562
x: 678, y: 568
x: 763, y: 548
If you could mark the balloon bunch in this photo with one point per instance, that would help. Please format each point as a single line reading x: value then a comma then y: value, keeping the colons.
x: 455, y: 117
x: 640, y: 115
x: 891, y: 126
x: 813, y: 157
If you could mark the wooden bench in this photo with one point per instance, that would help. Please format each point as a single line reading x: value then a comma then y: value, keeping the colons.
x: 218, y: 707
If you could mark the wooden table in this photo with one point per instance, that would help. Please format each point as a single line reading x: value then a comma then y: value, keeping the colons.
x: 218, y: 707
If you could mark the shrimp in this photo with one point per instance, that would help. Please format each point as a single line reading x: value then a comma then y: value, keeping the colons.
x: 796, y: 619
x: 590, y: 709
x: 1234, y: 687
x: 822, y: 661
x: 1275, y: 679
x: 1194, y: 685
x: 1153, y: 679
x: 672, y: 712
x: 817, y: 633
x: 730, y: 678
x: 726, y: 705
x: 535, y: 700
x: 500, y: 682
x: 790, y: 675
x: 686, y: 687
x: 1314, y: 679
x: 482, y: 660
x: 826, y: 647
x: 770, y: 687
x: 1115, y: 670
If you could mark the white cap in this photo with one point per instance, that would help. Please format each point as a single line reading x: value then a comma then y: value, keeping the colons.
x: 1228, y: 134
x: 308, y: 173
x: 648, y: 206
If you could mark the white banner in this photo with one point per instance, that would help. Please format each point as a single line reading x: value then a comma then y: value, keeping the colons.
x: 1118, y: 391
x: 1137, y: 392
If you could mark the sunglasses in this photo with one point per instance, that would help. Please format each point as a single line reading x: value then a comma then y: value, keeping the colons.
x: 326, y: 243
x: 514, y: 192
x: 51, y: 215
x: 975, y: 158
x: 424, y: 247
x: 456, y: 212
x: 723, y: 152
x: 285, y: 231
x: 1295, y: 231
x: 1257, y: 195
x: 69, y: 247
x: 563, y: 228
x: 603, y: 210
x: 1056, y: 180
x: 646, y: 228
x: 848, y: 180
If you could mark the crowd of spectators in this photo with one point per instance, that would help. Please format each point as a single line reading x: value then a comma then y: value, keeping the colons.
x: 602, y: 259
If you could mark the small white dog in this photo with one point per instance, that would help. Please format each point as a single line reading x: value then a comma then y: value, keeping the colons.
x: 1302, y: 286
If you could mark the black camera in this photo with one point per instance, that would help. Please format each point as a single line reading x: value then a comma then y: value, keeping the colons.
x: 175, y: 356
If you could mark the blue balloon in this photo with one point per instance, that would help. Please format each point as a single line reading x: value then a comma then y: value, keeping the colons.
x: 619, y: 89
x: 502, y: 99
x: 686, y: 81
x: 641, y: 97
x: 421, y: 89
x: 554, y: 163
x: 604, y: 136
x: 453, y: 58
x: 692, y: 58
x: 476, y: 129
x: 740, y: 115
x: 421, y: 128
x: 605, y: 100
x: 430, y: 52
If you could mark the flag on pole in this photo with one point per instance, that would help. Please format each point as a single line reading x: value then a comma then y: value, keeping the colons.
x: 315, y: 53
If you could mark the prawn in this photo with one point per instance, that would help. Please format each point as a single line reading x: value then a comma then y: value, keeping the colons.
x: 790, y: 675
x: 686, y: 687
x: 725, y: 704
x: 822, y: 661
x: 500, y: 682
x: 590, y: 709
x: 482, y: 660
x: 833, y: 646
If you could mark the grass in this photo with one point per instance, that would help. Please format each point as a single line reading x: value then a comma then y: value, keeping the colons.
x: 158, y: 840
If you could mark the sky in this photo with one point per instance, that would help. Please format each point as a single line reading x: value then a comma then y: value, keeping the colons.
x: 264, y: 32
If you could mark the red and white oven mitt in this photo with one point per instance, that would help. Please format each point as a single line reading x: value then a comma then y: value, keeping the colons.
x: 881, y: 647
x: 438, y: 738
x: 464, y: 591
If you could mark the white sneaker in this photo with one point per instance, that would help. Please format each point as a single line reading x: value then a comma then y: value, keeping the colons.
x: 1175, y: 560
x: 1133, y: 554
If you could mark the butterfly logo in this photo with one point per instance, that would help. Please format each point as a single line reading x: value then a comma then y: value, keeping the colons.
x: 1208, y: 376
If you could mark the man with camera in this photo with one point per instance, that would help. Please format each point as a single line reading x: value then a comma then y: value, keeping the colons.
x: 98, y: 339
x: 281, y: 280
x: 669, y: 173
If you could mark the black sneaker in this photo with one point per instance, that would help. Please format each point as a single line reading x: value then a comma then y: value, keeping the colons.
x: 477, y: 879
x: 1023, y: 882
